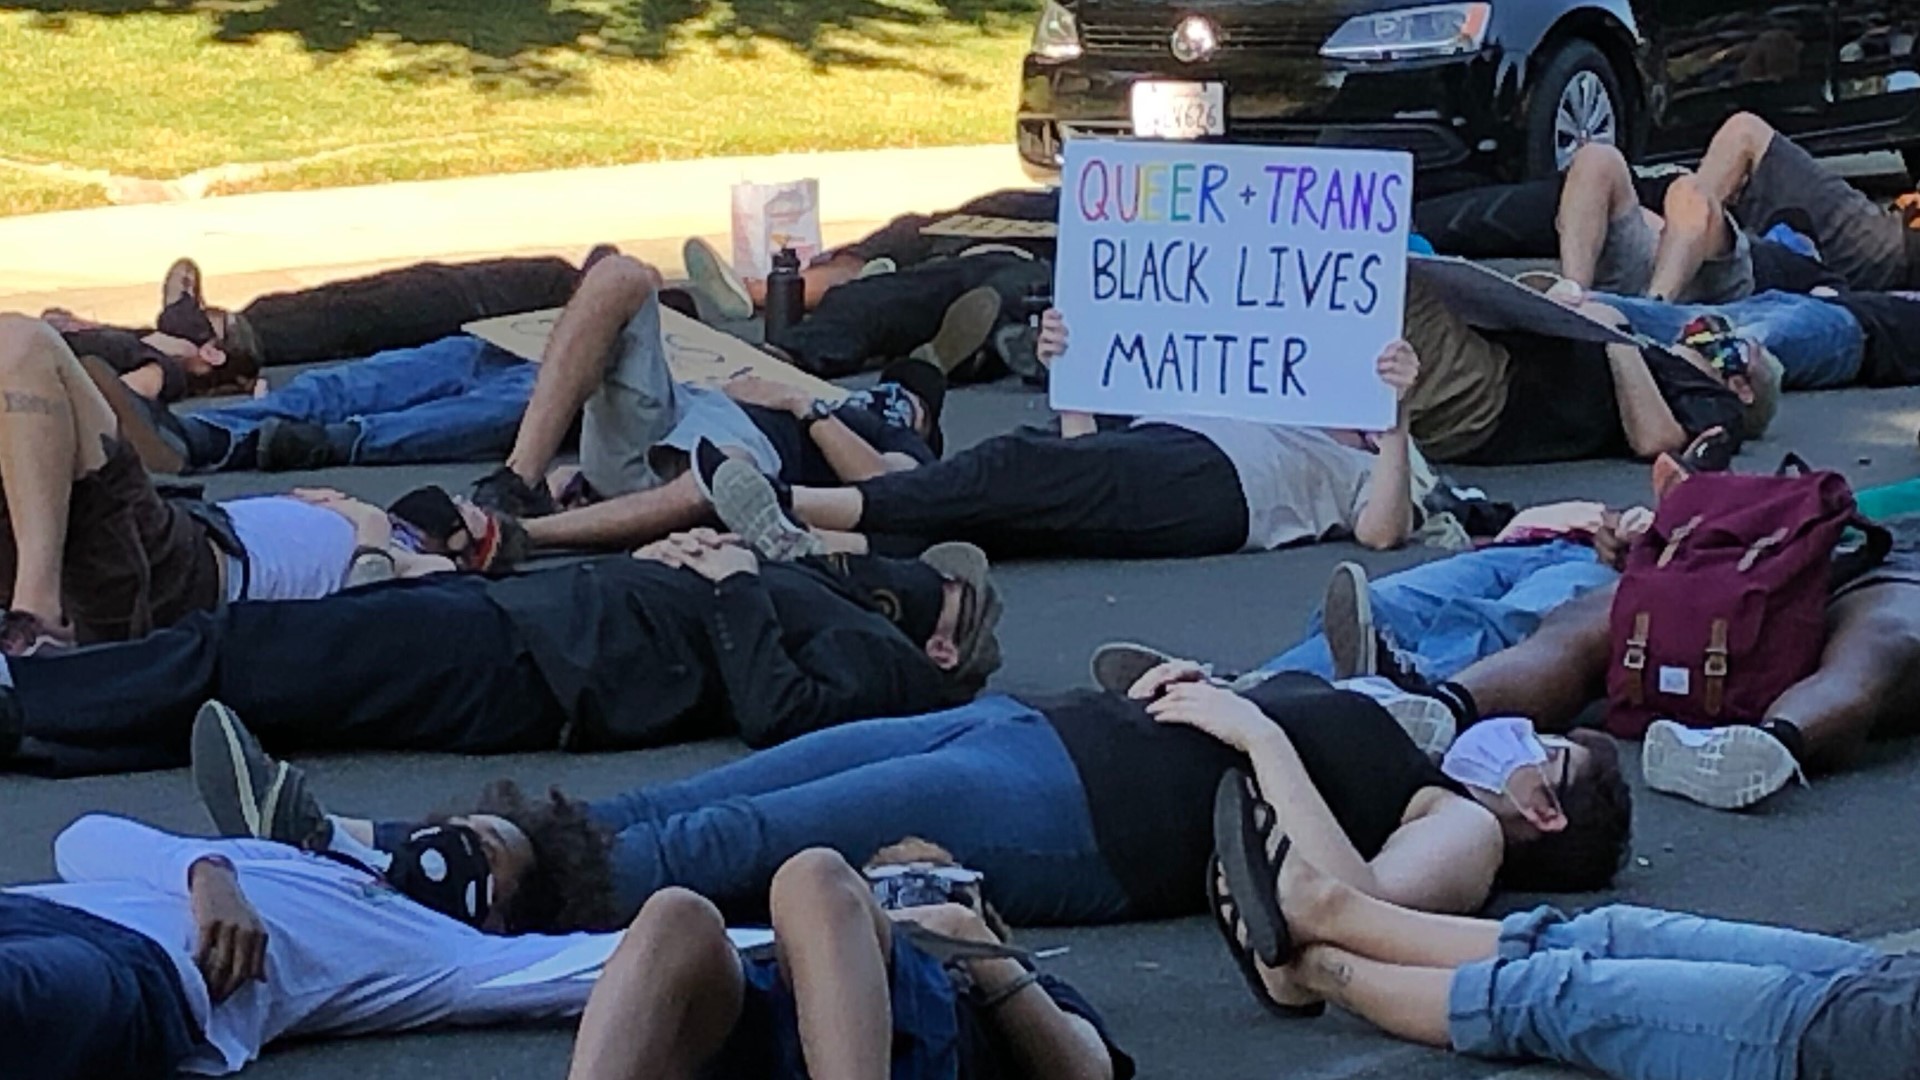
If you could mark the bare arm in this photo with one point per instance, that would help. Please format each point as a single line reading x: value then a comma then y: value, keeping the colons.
x: 853, y: 458
x: 148, y: 380
x: 1387, y: 519
x: 1050, y: 347
x: 1048, y: 1040
x: 1644, y: 414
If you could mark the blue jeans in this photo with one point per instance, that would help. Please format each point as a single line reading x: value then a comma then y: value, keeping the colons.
x: 1820, y: 344
x: 457, y: 399
x: 1648, y: 995
x: 989, y: 781
x: 1446, y: 614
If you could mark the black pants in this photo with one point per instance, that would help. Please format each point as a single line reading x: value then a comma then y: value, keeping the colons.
x: 421, y: 665
x: 1141, y: 493
x: 83, y: 998
x: 402, y: 308
x: 902, y: 240
x: 868, y: 322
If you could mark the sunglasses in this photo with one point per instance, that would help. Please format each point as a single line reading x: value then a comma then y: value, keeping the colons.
x: 910, y: 885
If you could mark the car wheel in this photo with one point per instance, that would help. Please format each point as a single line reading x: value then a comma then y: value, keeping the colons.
x: 1576, y: 100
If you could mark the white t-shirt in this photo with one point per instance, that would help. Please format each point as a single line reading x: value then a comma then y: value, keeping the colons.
x: 1300, y: 484
x: 295, y: 550
x: 346, y: 955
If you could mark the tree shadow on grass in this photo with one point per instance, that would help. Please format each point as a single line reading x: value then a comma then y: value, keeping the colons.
x: 515, y: 41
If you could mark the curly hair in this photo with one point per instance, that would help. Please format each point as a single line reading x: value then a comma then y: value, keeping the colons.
x: 571, y: 884
x: 1585, y: 856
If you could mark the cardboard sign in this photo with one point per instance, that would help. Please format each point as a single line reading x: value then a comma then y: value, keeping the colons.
x: 977, y: 227
x: 1491, y: 300
x: 1253, y: 282
x: 697, y: 352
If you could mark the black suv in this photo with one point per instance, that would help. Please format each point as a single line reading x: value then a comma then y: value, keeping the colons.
x: 1503, y: 88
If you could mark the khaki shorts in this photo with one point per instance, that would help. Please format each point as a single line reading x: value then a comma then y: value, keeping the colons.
x: 1626, y: 264
x: 639, y: 427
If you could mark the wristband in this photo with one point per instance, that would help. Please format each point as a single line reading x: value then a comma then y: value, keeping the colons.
x: 1007, y: 993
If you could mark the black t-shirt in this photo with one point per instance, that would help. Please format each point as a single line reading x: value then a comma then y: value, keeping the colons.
x: 126, y: 351
x: 1892, y: 324
x: 1561, y: 403
x: 1150, y: 786
x: 1779, y: 268
x: 985, y: 1055
x: 801, y: 462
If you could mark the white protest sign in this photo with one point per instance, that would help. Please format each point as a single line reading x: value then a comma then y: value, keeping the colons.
x: 1253, y: 282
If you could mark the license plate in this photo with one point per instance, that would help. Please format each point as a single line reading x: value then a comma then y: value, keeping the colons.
x: 1179, y: 110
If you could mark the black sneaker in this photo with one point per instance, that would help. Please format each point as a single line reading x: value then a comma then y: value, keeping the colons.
x: 286, y: 445
x: 247, y: 792
x: 504, y: 490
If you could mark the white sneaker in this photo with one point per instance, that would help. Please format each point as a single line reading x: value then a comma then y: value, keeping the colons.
x: 1728, y: 768
x: 1427, y: 721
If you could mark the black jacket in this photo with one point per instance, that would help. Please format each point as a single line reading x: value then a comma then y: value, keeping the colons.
x: 641, y: 654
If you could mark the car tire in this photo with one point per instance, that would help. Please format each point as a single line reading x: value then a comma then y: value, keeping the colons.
x: 1577, y: 90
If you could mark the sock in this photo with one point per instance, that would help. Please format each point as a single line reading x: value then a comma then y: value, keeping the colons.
x: 1789, y: 735
x: 1458, y: 700
x: 343, y: 843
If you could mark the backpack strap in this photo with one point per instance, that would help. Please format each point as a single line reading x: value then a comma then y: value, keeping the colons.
x: 1635, y: 659
x: 1794, y: 464
x: 1713, y: 694
x: 1853, y: 564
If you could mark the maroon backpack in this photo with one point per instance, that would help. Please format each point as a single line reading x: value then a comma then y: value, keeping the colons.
x: 1723, y: 603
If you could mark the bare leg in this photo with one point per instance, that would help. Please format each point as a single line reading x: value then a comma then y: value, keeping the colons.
x: 670, y: 996
x: 1407, y: 1002
x: 834, y: 943
x: 576, y: 359
x: 1869, y: 674
x: 1322, y: 909
x: 1697, y: 230
x: 1552, y: 675
x: 844, y: 543
x: 837, y: 509
x: 53, y: 430
x: 1732, y: 156
x: 1599, y: 188
x: 625, y: 521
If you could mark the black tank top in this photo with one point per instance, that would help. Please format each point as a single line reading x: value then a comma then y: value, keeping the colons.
x: 1150, y: 786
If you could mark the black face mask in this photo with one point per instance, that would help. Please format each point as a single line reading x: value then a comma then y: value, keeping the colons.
x: 444, y: 867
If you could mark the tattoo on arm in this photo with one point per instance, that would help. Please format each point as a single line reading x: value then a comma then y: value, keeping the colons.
x: 19, y: 401
x: 1337, y: 972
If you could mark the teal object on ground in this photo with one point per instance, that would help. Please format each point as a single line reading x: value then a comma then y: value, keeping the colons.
x: 1890, y: 500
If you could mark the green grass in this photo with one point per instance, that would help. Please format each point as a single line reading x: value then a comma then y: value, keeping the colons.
x: 437, y: 88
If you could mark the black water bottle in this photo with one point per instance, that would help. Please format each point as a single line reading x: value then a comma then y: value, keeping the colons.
x: 786, y: 293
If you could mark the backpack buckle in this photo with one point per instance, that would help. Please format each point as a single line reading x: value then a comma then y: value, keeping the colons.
x: 1635, y: 659
x: 1715, y: 668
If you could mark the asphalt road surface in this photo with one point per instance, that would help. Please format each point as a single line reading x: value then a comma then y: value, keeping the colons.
x: 1841, y: 857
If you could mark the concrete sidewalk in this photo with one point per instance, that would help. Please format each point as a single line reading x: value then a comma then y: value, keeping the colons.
x: 107, y: 263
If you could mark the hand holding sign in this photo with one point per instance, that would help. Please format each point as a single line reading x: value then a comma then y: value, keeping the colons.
x: 1258, y: 283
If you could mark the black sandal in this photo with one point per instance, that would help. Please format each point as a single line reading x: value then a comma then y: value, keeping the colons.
x: 1226, y: 919
x: 1243, y: 824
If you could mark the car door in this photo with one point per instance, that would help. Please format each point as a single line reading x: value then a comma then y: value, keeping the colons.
x: 1877, y: 62
x: 1772, y: 57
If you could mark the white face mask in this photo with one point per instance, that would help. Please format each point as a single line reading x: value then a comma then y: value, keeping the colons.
x: 1486, y: 755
